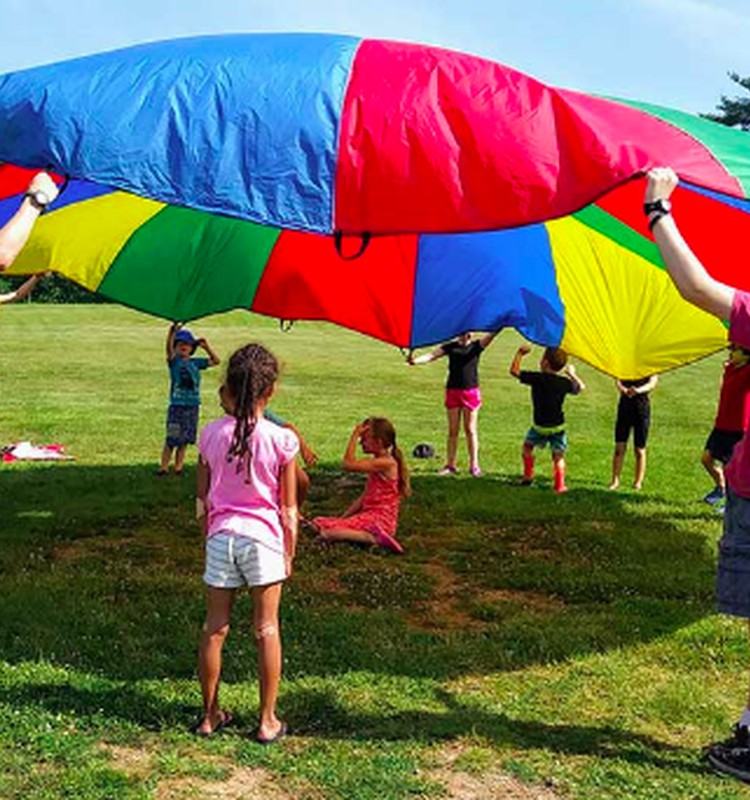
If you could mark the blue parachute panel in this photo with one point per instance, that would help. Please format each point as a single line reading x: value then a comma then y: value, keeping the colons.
x: 202, y: 122
x: 487, y: 281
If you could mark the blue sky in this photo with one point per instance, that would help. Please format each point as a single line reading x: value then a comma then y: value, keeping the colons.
x: 672, y: 52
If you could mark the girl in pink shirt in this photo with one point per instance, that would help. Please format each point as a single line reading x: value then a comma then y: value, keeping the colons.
x: 373, y: 517
x: 247, y: 501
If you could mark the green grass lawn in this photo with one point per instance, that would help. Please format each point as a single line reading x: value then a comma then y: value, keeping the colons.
x: 529, y: 643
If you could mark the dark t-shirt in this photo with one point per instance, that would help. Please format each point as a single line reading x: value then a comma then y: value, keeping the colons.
x: 547, y: 395
x: 463, y: 364
x: 637, y: 401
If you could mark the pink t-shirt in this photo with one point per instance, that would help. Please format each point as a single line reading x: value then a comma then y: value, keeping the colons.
x: 247, y: 506
x: 738, y: 469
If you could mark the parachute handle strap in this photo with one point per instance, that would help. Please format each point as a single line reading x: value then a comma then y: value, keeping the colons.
x: 285, y: 325
x: 364, y: 241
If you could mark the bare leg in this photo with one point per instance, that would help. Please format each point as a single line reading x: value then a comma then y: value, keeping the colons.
x: 348, y: 535
x: 215, y: 629
x: 179, y: 459
x: 166, y: 457
x: 454, y: 418
x: 471, y: 429
x: 640, y: 467
x: 266, y: 601
x: 617, y: 460
x: 714, y: 469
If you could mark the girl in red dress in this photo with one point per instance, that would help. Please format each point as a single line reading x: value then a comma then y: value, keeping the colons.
x: 373, y: 517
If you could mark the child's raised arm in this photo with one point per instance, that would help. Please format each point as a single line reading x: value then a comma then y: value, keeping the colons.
x: 649, y: 386
x: 212, y: 357
x: 353, y: 464
x: 16, y: 232
x: 173, y: 328
x: 23, y: 290
x: 487, y: 339
x: 687, y: 272
x: 425, y: 358
x: 578, y: 384
x: 515, y: 365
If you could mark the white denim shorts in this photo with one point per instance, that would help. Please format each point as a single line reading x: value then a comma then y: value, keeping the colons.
x: 233, y: 560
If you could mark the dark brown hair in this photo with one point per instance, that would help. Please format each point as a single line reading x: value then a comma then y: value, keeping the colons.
x: 252, y: 372
x: 556, y: 357
x: 383, y: 429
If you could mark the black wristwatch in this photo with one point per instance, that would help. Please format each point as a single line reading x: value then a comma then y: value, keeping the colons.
x: 39, y: 199
x: 662, y: 206
x: 655, y: 210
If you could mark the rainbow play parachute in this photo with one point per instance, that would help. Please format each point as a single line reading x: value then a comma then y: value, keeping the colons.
x: 404, y: 191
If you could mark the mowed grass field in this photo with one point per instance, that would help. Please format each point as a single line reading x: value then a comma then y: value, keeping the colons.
x: 525, y: 646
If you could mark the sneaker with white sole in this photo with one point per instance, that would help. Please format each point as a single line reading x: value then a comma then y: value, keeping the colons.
x: 714, y: 497
x: 732, y: 756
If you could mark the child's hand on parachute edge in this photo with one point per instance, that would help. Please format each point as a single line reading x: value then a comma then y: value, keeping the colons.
x: 524, y: 350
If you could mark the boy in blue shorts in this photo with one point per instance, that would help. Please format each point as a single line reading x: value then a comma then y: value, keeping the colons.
x: 184, y: 394
x: 549, y: 386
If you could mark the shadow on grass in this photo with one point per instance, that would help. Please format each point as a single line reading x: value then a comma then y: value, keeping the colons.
x: 319, y: 714
x: 101, y: 571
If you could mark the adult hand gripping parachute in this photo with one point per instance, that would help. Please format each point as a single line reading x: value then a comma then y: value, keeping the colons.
x: 241, y: 172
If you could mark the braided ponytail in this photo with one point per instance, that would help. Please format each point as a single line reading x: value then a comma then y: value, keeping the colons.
x: 252, y: 372
x: 383, y: 429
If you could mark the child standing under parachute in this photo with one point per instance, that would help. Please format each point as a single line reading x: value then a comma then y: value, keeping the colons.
x: 373, y: 517
x: 463, y: 398
x: 184, y: 394
x: 246, y: 497
x: 633, y: 413
x: 555, y: 379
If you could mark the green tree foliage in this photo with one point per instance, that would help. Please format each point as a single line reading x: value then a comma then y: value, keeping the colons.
x: 53, y: 289
x: 734, y: 111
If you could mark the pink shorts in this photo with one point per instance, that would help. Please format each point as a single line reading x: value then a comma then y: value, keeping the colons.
x: 463, y: 398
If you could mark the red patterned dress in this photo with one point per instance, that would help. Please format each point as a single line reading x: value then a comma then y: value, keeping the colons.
x: 378, y: 514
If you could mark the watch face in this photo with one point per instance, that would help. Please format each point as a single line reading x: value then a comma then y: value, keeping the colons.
x: 41, y: 197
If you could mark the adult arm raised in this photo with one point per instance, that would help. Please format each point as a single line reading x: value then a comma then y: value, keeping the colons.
x: 15, y: 233
x: 687, y: 272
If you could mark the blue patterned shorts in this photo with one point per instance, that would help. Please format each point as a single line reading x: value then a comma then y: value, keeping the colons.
x: 558, y: 442
x: 182, y: 425
x: 733, y: 576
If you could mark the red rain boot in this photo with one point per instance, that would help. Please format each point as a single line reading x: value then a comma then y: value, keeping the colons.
x: 528, y: 470
x: 559, y: 473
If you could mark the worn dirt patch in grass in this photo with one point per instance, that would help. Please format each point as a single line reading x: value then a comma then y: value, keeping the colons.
x: 447, y: 608
x: 241, y: 783
x: 485, y: 784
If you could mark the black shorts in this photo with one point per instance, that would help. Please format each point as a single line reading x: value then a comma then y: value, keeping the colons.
x: 635, y: 416
x: 720, y: 444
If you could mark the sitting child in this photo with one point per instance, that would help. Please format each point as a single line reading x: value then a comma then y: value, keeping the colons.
x: 549, y: 386
x: 373, y: 517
